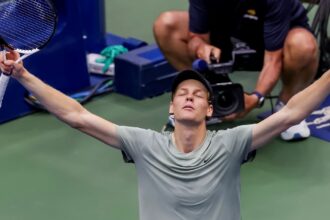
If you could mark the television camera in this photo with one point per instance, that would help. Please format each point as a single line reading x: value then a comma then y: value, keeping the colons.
x: 228, y: 96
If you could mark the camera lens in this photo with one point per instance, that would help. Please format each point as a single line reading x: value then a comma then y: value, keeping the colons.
x: 228, y: 99
x: 226, y: 102
x: 225, y: 99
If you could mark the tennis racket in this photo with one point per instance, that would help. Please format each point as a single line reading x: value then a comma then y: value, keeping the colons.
x: 26, y: 26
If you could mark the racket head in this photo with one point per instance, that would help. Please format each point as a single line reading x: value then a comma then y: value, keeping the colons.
x: 27, y: 25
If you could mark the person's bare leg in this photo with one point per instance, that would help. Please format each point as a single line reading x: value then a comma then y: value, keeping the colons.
x: 171, y: 34
x: 300, y: 62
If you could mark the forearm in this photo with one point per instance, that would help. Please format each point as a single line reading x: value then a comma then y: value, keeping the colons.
x: 53, y: 100
x: 270, y: 73
x: 268, y: 78
x: 298, y: 108
x: 304, y: 102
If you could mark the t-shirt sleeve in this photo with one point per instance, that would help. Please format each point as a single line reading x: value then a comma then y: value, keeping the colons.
x: 276, y: 24
x: 198, y: 17
x: 239, y: 140
x: 133, y: 141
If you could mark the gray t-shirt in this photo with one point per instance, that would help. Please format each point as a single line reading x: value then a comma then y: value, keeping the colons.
x: 202, y: 184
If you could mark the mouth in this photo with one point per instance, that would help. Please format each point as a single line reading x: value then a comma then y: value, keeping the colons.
x: 188, y: 107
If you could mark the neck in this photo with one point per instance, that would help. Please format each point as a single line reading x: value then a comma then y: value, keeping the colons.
x: 188, y: 138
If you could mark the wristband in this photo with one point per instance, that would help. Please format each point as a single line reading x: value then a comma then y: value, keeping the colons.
x: 261, y: 98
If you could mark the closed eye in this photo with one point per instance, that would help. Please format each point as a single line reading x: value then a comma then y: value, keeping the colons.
x: 197, y: 93
x: 182, y: 92
x: 200, y: 94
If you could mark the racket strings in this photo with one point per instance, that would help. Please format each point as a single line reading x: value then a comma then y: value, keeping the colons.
x: 41, y: 7
x: 24, y: 37
x: 24, y: 26
x: 19, y: 39
x: 27, y: 24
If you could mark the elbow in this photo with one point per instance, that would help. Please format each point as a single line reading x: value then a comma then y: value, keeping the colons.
x: 70, y: 120
x: 73, y: 119
x: 290, y: 123
x: 293, y: 118
x: 75, y: 125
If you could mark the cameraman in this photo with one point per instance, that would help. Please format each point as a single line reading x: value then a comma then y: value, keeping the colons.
x: 277, y: 29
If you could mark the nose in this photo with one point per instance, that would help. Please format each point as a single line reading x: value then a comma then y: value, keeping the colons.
x: 189, y: 98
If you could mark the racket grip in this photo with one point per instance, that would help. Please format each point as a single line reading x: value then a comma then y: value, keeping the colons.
x: 4, y: 79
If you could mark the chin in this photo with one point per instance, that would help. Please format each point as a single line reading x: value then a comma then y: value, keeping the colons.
x: 190, y: 120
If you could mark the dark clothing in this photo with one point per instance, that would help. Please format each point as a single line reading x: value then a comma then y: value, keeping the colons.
x: 262, y: 24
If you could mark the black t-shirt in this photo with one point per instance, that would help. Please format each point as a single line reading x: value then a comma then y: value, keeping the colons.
x: 261, y: 23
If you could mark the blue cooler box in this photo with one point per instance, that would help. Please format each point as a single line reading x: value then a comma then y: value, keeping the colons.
x: 143, y: 73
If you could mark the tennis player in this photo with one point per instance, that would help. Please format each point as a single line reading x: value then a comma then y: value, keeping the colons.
x: 190, y: 173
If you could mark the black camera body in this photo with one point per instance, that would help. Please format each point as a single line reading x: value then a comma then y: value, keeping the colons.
x: 228, y: 96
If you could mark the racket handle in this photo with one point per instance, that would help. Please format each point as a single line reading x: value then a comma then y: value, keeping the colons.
x: 4, y: 79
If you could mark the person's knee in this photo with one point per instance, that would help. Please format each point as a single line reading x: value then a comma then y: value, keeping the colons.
x: 301, y: 46
x: 165, y: 23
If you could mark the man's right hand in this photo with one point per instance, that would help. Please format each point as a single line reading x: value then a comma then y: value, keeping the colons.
x: 9, y: 66
x: 206, y: 51
x: 200, y: 48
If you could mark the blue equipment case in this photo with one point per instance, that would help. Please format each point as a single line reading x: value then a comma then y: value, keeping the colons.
x: 143, y: 73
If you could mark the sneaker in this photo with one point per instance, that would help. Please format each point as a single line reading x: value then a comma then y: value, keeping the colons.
x: 213, y: 121
x: 296, y: 132
x: 169, y: 126
x: 171, y: 121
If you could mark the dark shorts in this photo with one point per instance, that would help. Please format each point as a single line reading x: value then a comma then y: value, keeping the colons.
x: 249, y: 52
x: 253, y: 32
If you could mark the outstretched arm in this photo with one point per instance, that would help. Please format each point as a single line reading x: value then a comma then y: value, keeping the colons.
x: 63, y: 107
x: 298, y: 108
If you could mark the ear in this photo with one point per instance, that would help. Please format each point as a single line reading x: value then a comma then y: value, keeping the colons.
x: 209, y: 111
x: 170, y: 111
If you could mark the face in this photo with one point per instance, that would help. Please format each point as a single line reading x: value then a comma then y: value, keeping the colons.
x: 190, y: 102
